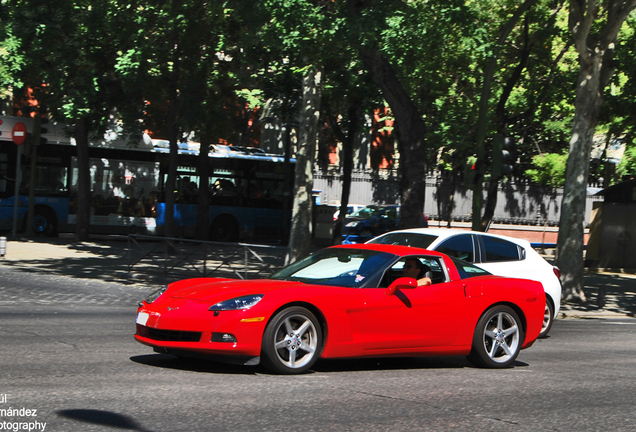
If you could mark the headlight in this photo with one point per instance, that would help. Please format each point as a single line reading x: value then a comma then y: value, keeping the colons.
x: 155, y: 295
x: 351, y: 224
x: 245, y: 302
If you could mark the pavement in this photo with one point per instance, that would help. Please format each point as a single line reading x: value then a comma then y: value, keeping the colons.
x: 108, y: 258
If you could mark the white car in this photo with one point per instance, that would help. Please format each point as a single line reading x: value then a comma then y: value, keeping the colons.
x: 499, y: 255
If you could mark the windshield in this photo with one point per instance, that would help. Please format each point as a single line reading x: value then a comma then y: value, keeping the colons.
x: 366, y: 212
x: 338, y: 267
x: 468, y: 270
x: 406, y: 239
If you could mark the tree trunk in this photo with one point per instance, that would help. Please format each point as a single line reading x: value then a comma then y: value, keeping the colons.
x: 35, y: 144
x: 301, y: 228
x: 491, y: 204
x: 571, y: 230
x: 83, y: 181
x: 595, y: 60
x: 171, y: 180
x: 451, y: 200
x: 347, y: 166
x: 173, y: 136
x: 203, y: 199
x: 410, y: 131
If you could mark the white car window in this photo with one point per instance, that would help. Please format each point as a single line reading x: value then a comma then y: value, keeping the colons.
x: 501, y: 250
x: 460, y: 246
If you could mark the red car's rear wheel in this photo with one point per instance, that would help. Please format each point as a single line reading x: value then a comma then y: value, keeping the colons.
x: 291, y: 342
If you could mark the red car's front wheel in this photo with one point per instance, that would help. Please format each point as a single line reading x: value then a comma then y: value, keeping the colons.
x: 291, y: 342
x: 498, y: 338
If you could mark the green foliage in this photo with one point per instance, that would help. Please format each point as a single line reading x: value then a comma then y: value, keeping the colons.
x: 618, y: 116
x: 11, y: 61
x: 97, y: 56
x: 627, y: 166
x: 549, y: 169
x: 254, y: 98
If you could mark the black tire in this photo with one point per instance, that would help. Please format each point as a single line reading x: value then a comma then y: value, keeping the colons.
x: 292, y: 342
x: 224, y: 229
x: 44, y: 223
x: 548, y: 319
x: 498, y: 338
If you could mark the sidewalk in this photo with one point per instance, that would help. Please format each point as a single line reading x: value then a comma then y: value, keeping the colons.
x: 106, y: 258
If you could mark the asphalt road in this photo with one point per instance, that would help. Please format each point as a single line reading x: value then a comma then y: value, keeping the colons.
x: 66, y: 350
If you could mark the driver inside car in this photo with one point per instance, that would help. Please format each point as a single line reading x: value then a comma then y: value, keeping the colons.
x: 414, y: 268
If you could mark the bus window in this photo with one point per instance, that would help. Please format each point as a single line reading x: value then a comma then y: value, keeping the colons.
x: 3, y: 172
x: 50, y: 180
x: 120, y: 189
x: 224, y: 191
x: 187, y: 189
x: 223, y: 187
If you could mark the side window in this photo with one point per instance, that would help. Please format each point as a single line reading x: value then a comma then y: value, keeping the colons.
x: 460, y: 246
x: 390, y: 214
x: 416, y: 267
x: 501, y: 250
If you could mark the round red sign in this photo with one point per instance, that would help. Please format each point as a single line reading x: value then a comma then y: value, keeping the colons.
x: 19, y: 133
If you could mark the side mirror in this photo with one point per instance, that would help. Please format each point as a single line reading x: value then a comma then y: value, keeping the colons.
x: 401, y: 284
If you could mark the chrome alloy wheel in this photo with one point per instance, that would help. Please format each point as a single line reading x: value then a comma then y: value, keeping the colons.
x: 547, y: 316
x: 296, y: 341
x: 501, y: 337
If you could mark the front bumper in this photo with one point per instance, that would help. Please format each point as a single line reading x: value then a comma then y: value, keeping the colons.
x: 201, y: 333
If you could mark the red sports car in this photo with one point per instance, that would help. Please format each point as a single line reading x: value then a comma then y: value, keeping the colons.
x: 348, y: 301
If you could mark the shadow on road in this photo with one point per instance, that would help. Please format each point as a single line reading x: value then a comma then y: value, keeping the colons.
x: 103, y: 418
x: 608, y: 292
x: 106, y: 261
x: 168, y: 361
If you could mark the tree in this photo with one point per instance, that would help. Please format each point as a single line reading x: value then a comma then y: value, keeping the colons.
x: 304, y: 34
x: 483, y: 115
x: 168, y: 63
x: 595, y: 28
x: 618, y: 116
x: 348, y: 141
x: 69, y: 56
x: 300, y: 236
x: 410, y: 128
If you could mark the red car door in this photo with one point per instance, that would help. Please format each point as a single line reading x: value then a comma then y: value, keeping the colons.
x: 426, y: 316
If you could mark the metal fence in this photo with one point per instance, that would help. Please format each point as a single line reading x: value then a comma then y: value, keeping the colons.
x: 177, y: 258
x: 517, y: 202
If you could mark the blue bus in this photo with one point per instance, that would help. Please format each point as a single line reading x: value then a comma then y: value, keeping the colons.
x: 249, y: 190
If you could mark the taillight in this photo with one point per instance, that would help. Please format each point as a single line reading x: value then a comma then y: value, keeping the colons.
x: 556, y: 271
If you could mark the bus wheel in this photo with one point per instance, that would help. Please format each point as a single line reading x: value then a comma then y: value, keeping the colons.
x: 224, y: 229
x: 44, y: 223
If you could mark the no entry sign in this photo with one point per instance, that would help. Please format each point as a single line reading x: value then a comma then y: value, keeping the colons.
x: 19, y: 133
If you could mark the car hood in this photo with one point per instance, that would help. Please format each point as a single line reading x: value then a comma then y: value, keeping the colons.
x: 212, y: 289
